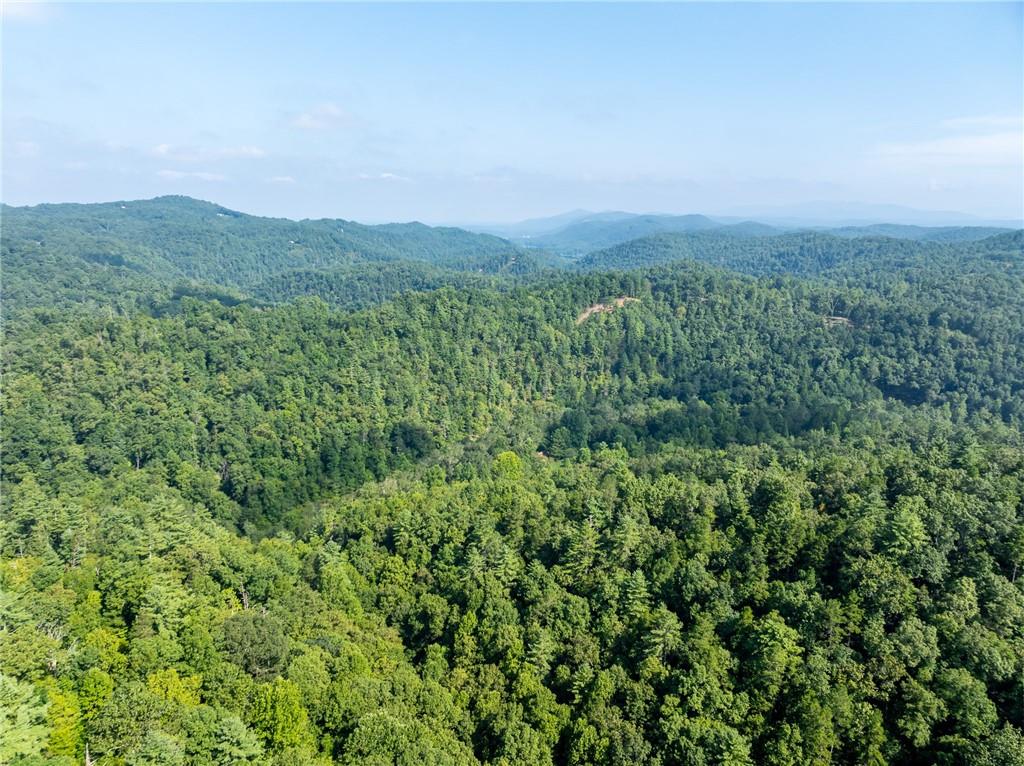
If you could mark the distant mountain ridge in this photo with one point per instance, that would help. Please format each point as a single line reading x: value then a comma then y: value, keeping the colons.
x: 596, y: 232
x: 802, y: 253
x: 921, y: 233
x: 826, y: 214
x: 127, y: 247
x: 118, y: 254
x: 575, y: 235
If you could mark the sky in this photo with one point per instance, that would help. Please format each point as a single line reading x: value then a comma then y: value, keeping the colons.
x: 489, y: 112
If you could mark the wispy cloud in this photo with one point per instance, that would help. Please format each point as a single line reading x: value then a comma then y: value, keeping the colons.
x: 321, y: 117
x: 983, y: 121
x: 26, y: 149
x: 281, y: 180
x: 1005, y: 148
x: 252, y: 152
x: 979, y: 141
x: 178, y: 175
x: 27, y: 10
x: 383, y: 177
x: 198, y: 154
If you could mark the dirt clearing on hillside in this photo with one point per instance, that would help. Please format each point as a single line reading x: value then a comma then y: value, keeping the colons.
x: 603, y: 308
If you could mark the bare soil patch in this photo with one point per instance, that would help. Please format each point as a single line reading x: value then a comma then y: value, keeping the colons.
x: 604, y: 308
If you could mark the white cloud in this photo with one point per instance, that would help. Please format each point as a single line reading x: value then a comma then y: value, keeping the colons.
x: 281, y: 180
x: 974, y: 141
x: 26, y: 10
x: 178, y: 175
x: 987, y: 149
x: 986, y: 121
x: 251, y: 152
x: 198, y: 154
x: 321, y: 117
x: 26, y: 149
x: 383, y: 177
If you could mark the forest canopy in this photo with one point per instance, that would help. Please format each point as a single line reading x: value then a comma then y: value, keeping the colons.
x: 316, y: 492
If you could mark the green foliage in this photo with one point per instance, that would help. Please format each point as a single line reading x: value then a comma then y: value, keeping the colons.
x: 64, y: 719
x: 132, y: 254
x: 276, y: 714
x: 808, y: 253
x: 716, y: 524
x: 256, y: 642
x: 23, y: 727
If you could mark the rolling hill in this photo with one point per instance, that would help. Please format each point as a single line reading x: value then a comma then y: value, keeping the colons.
x: 802, y: 253
x: 125, y: 249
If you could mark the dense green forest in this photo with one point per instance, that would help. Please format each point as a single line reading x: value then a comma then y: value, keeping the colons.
x: 137, y: 255
x: 415, y: 496
x: 124, y: 254
x: 802, y: 253
x: 922, y: 233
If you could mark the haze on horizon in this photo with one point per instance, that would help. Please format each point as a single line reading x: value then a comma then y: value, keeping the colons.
x: 496, y: 113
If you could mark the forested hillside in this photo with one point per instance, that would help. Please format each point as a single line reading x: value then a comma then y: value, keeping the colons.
x: 924, y: 233
x: 578, y: 234
x: 703, y: 499
x: 132, y: 255
x: 806, y: 253
x: 123, y: 253
x: 604, y: 230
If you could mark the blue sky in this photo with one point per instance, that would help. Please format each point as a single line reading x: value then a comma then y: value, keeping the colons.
x: 488, y: 112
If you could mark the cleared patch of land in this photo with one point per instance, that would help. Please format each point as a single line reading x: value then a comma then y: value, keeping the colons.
x: 600, y: 308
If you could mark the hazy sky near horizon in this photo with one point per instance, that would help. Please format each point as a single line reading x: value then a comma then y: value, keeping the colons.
x: 495, y: 112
